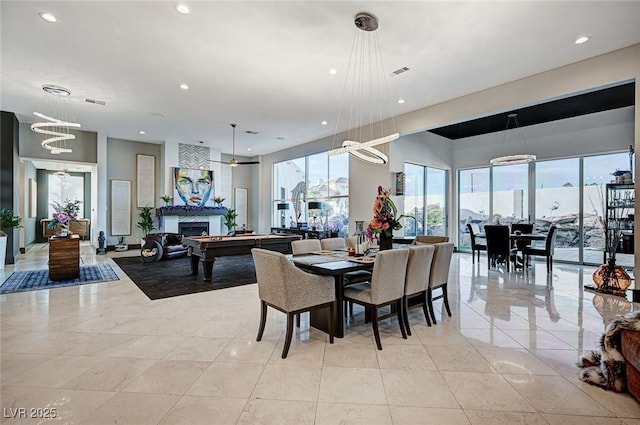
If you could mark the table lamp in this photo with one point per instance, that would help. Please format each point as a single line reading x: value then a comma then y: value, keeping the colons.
x: 282, y: 208
x: 314, y: 206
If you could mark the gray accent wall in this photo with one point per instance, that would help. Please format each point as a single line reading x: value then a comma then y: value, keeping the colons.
x: 9, y: 181
x: 85, y: 146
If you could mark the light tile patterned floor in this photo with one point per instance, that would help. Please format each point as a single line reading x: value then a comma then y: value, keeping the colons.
x: 104, y: 354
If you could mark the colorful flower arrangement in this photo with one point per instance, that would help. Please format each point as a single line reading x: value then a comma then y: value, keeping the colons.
x: 167, y: 199
x: 384, y: 216
x: 64, y: 213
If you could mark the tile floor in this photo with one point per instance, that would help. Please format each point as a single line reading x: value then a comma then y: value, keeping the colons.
x: 105, y: 354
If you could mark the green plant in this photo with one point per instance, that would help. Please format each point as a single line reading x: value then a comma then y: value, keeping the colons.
x: 146, y: 220
x: 8, y: 220
x: 230, y: 219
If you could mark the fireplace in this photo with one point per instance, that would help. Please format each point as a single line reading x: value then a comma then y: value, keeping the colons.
x: 195, y: 228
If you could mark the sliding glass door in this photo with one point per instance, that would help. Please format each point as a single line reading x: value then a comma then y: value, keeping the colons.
x: 425, y: 199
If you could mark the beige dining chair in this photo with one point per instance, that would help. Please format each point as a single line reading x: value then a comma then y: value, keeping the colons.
x: 439, y: 276
x: 416, y: 280
x: 283, y: 286
x: 305, y: 246
x: 386, y: 288
x: 333, y: 244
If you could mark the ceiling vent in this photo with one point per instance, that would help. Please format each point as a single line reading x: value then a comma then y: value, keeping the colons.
x: 96, y: 101
x: 399, y: 71
x: 251, y: 132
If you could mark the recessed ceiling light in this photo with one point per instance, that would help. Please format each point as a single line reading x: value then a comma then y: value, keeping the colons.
x: 324, y: 123
x: 48, y: 17
x: 184, y: 86
x: 183, y: 8
x: 142, y: 132
x: 249, y: 149
x: 333, y: 71
x: 279, y: 138
x: 401, y: 101
x: 583, y: 39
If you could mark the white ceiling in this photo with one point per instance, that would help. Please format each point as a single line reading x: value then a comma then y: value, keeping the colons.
x: 264, y: 65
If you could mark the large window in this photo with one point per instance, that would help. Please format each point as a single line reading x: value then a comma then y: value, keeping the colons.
x: 314, y: 178
x: 569, y: 193
x: 425, y: 199
x: 65, y: 187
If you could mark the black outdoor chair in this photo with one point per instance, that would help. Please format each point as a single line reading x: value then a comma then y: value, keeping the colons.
x: 474, y: 229
x: 498, y: 245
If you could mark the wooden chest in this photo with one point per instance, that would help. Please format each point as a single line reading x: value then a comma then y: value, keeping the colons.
x: 64, y: 258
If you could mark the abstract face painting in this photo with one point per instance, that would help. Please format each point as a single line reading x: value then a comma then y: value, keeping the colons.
x: 193, y: 186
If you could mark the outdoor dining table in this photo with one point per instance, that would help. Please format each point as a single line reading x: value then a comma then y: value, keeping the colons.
x: 336, y: 264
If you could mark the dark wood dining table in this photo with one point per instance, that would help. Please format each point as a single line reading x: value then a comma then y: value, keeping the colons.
x: 335, y: 264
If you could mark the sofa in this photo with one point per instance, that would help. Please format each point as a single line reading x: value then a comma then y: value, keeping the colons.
x: 631, y: 354
x: 166, y: 245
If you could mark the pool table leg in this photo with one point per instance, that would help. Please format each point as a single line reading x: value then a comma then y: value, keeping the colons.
x: 207, y: 269
x: 194, y: 263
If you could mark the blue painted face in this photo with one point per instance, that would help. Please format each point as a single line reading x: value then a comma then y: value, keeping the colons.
x: 193, y: 186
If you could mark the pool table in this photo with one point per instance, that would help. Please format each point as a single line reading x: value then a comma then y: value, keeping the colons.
x: 205, y: 249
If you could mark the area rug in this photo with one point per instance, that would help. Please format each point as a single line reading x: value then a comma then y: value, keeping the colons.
x: 33, y: 280
x: 172, y: 278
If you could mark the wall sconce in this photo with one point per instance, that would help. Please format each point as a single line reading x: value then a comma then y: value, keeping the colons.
x: 282, y: 208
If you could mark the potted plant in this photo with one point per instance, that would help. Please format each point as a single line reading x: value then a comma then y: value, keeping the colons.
x: 230, y: 220
x: 8, y: 221
x: 146, y: 222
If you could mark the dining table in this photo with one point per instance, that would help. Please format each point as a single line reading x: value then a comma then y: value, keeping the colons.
x: 335, y: 264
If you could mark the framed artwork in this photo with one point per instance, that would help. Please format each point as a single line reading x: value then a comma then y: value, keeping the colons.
x: 146, y: 180
x: 241, y: 201
x: 33, y: 198
x: 120, y: 207
x: 192, y: 186
x: 400, y: 183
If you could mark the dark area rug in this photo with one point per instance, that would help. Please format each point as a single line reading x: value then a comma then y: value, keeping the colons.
x: 33, y: 280
x: 172, y: 278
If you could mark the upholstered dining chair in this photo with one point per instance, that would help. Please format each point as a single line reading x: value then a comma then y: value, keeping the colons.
x: 416, y: 281
x: 499, y: 245
x: 385, y: 288
x: 439, y: 276
x: 283, y: 286
x: 474, y: 229
x: 333, y: 244
x: 429, y: 239
x: 546, y: 251
x: 305, y: 246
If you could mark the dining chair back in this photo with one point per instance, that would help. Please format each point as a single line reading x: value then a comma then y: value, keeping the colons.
x: 476, y: 246
x: 547, y: 251
x: 439, y: 276
x: 333, y: 244
x: 305, y: 246
x: 498, y: 245
x: 385, y: 288
x: 283, y: 286
x: 522, y: 227
x: 416, y: 281
x: 429, y: 239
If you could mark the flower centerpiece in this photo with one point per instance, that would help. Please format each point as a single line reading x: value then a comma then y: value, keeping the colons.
x: 385, y: 219
x: 64, y: 214
x: 167, y: 199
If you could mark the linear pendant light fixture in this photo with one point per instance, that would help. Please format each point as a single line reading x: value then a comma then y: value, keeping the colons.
x: 57, y: 129
x: 512, y: 159
x: 367, y: 74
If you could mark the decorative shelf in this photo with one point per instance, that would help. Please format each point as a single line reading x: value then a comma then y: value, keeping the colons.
x: 190, y: 210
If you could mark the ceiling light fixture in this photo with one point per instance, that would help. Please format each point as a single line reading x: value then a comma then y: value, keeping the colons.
x: 48, y: 17
x: 184, y: 86
x: 583, y: 39
x: 58, y: 129
x: 183, y: 8
x: 142, y: 132
x: 512, y: 159
x: 333, y: 71
x: 401, y: 101
x: 324, y: 123
x: 367, y: 75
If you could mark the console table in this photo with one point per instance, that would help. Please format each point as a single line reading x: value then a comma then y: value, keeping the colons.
x: 77, y: 227
x: 305, y: 233
x: 64, y: 258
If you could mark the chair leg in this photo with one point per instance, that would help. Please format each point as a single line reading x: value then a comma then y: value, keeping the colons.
x: 425, y: 309
x: 405, y: 313
x: 400, y: 310
x: 298, y: 320
x: 263, y: 319
x: 445, y: 298
x: 430, y: 302
x: 332, y: 323
x: 287, y: 341
x: 374, y: 323
x: 473, y: 256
